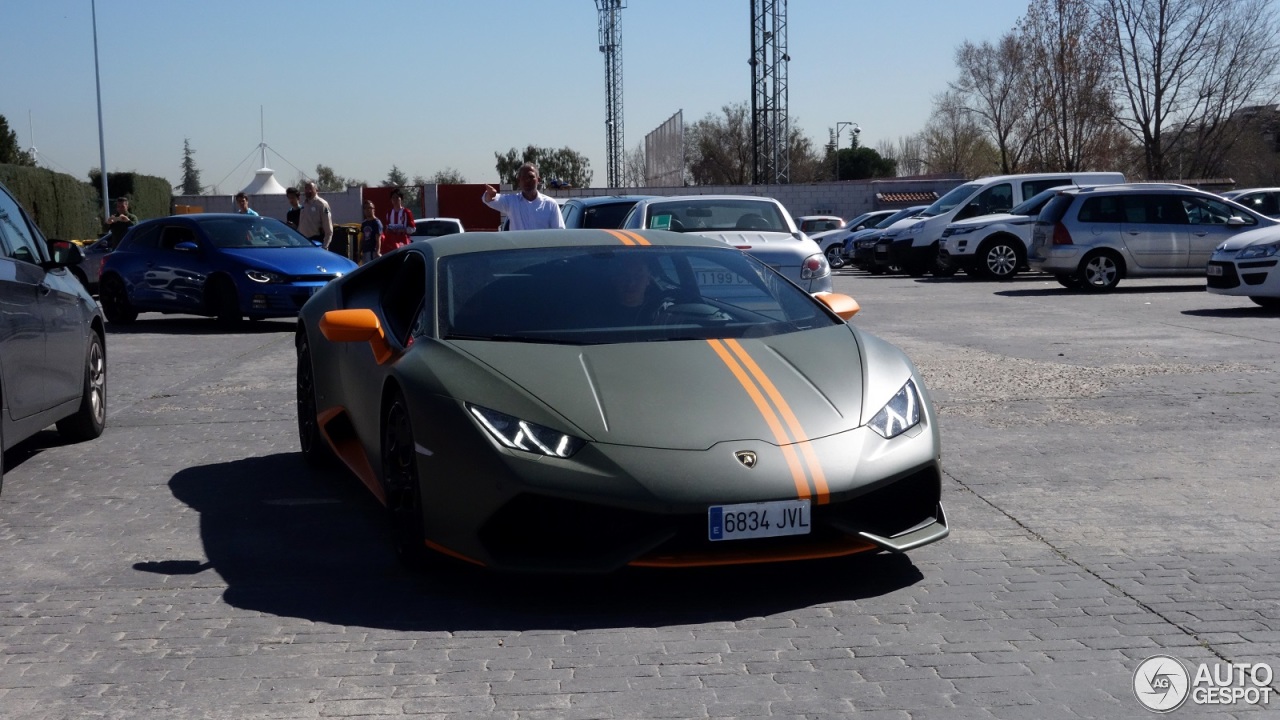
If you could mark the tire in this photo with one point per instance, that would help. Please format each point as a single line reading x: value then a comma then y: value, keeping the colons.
x: 1270, y: 303
x: 999, y: 259
x: 944, y: 270
x: 91, y: 417
x: 115, y: 301
x: 1100, y: 271
x: 1071, y: 282
x: 876, y: 270
x: 835, y: 256
x: 225, y: 303
x: 315, y: 450
x: 1, y: 458
x: 402, y: 486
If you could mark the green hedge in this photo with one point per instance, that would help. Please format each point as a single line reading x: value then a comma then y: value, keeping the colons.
x: 69, y: 209
x: 64, y: 207
x: 149, y: 196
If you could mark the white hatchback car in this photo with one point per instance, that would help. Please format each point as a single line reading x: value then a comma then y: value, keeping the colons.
x: 1246, y: 265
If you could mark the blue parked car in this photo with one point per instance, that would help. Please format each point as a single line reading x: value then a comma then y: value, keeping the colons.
x: 223, y: 265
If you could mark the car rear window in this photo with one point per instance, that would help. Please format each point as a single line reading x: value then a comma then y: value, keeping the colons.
x: 1056, y: 208
x: 607, y: 215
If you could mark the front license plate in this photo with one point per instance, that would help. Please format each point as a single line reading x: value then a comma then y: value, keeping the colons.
x: 1215, y: 270
x: 756, y: 520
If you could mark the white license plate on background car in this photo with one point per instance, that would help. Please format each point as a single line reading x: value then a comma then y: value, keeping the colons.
x: 756, y: 520
x: 1215, y: 270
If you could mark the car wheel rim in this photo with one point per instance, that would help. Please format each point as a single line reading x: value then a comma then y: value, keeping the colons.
x: 1100, y: 271
x: 833, y: 257
x: 398, y: 463
x: 97, y: 373
x: 1001, y: 260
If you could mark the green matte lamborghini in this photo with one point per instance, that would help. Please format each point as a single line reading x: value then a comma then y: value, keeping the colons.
x: 583, y: 400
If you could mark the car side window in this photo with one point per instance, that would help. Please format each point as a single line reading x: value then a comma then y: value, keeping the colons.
x: 145, y: 238
x: 1101, y: 209
x: 175, y: 234
x: 1031, y: 188
x: 20, y: 241
x: 1204, y: 211
x: 995, y: 199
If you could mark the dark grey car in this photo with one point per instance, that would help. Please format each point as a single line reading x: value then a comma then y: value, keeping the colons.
x: 53, y: 361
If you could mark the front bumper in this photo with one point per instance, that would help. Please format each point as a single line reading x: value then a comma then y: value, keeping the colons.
x: 1243, y: 277
x: 913, y: 257
x: 276, y: 299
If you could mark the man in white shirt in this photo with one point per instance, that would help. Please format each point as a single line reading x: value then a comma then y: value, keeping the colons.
x: 527, y: 209
x: 315, y: 221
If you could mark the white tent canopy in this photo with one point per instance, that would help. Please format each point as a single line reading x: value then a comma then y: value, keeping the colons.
x: 264, y: 183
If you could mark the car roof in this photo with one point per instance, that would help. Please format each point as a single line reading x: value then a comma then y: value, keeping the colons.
x: 591, y: 200
x: 687, y: 198
x: 525, y: 239
x: 1127, y: 188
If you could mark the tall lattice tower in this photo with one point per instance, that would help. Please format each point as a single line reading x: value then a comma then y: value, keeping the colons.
x: 610, y: 12
x: 771, y: 156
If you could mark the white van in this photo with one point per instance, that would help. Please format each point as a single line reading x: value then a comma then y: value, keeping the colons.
x: 916, y: 250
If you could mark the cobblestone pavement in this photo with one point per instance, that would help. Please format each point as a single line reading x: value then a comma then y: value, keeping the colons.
x: 1110, y: 474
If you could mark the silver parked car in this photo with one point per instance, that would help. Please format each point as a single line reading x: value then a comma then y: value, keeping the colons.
x: 1092, y: 237
x: 759, y: 225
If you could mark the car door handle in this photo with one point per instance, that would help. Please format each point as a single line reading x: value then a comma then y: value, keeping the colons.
x: 44, y: 288
x: 1201, y: 233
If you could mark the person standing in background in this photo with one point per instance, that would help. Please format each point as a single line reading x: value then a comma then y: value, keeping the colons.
x: 242, y: 205
x: 527, y: 209
x: 399, y: 226
x: 370, y: 235
x: 295, y: 208
x: 315, y: 221
x: 120, y: 223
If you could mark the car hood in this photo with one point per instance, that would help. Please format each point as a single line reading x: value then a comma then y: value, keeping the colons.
x: 773, y: 247
x: 1262, y: 235
x: 989, y: 219
x: 683, y: 395
x: 826, y: 234
x: 292, y: 260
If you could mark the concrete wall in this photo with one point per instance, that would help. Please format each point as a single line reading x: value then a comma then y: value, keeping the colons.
x: 344, y: 205
x: 846, y: 199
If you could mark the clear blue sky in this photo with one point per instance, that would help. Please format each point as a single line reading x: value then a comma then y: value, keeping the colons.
x: 432, y: 84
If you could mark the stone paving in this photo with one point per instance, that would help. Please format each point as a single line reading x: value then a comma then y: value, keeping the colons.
x: 1110, y: 467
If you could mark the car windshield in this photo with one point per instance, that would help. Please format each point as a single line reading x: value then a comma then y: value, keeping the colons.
x: 700, y: 215
x: 950, y: 200
x: 250, y: 231
x: 896, y: 217
x: 598, y: 295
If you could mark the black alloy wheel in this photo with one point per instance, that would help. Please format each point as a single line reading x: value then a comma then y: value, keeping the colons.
x: 402, y: 486
x: 115, y: 301
x: 314, y: 449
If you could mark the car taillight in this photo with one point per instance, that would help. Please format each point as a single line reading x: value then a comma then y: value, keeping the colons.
x: 1060, y: 235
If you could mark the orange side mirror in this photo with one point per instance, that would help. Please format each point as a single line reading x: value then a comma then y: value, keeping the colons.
x: 358, y: 325
x: 842, y: 305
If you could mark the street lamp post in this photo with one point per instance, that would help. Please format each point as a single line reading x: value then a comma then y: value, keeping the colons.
x: 840, y: 126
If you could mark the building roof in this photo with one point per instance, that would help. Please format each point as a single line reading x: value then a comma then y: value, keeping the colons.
x: 906, y: 198
x: 264, y: 183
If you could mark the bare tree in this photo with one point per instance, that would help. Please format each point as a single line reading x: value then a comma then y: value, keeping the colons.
x: 953, y: 143
x: 718, y: 148
x: 1069, y: 70
x: 633, y: 167
x: 1184, y: 68
x: 995, y: 88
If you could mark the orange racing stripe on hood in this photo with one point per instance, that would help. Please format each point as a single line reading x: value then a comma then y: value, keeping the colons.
x: 618, y: 234
x: 635, y: 236
x: 766, y: 412
x: 793, y: 423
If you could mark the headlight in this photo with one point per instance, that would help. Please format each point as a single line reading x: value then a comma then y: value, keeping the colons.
x: 915, y: 229
x: 900, y: 414
x: 814, y: 266
x: 263, y: 276
x: 1259, y: 251
x: 962, y: 230
x: 520, y: 435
